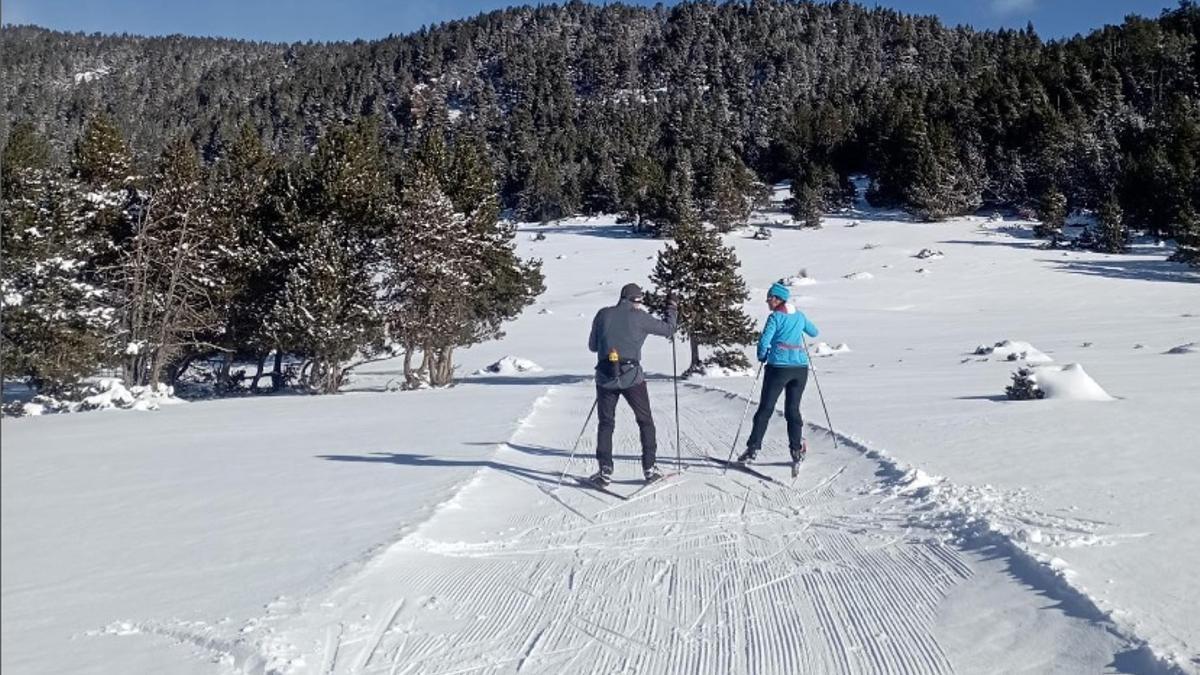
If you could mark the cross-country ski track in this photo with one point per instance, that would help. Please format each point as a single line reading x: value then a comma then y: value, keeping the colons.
x: 843, y: 571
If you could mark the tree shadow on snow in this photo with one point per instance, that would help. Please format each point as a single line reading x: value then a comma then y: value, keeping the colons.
x: 539, y: 380
x: 544, y: 380
x: 1010, y: 243
x: 413, y: 459
x: 526, y: 473
x: 604, y: 231
x: 1117, y: 268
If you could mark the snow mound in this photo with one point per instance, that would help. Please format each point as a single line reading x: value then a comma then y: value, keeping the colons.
x: 824, y: 349
x: 510, y: 365
x: 915, y: 482
x: 924, y: 271
x: 714, y: 370
x: 112, y: 393
x: 930, y: 254
x: 1189, y: 348
x: 798, y: 281
x: 1069, y: 382
x: 859, y: 276
x: 1014, y: 350
x: 545, y: 310
x: 107, y: 393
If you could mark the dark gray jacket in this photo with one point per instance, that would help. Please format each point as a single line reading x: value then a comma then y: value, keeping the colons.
x: 624, y: 327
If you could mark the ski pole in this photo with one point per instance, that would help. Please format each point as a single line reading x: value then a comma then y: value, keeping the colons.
x: 749, y: 400
x: 675, y: 382
x: 575, y: 447
x: 819, y: 394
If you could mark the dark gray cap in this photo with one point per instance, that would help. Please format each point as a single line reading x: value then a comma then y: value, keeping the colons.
x: 631, y: 292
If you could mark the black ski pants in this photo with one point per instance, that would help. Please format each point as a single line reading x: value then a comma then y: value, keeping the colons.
x: 638, y: 397
x: 776, y: 379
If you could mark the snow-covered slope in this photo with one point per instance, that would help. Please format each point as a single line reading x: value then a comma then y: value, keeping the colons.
x: 417, y: 531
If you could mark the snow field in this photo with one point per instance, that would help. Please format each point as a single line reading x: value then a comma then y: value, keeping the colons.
x: 303, y: 534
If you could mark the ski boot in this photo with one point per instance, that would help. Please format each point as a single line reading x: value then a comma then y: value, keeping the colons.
x: 798, y: 456
x: 748, y: 456
x: 653, y: 474
x: 601, y: 478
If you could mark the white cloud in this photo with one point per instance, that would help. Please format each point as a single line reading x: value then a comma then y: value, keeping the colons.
x: 1012, y: 6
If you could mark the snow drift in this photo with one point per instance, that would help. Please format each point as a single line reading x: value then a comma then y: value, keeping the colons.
x: 1014, y: 350
x: 825, y: 349
x: 510, y: 365
x: 1069, y: 382
x: 106, y: 393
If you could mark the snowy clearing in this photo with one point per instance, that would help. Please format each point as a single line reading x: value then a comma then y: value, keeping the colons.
x: 420, y: 532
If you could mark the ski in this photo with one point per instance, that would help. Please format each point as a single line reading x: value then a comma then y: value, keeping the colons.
x: 646, y: 491
x: 742, y: 467
x: 583, y: 482
x: 658, y: 483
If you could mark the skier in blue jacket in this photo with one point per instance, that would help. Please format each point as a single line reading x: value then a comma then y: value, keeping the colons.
x: 782, y: 349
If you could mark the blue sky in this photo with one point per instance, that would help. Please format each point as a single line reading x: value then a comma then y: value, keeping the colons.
x: 298, y: 20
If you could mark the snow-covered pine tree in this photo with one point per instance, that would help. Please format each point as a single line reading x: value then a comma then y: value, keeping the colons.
x: 1052, y: 212
x: 57, y: 317
x: 730, y: 198
x: 601, y: 185
x: 1112, y: 236
x: 948, y: 179
x: 426, y: 283
x: 1187, y: 237
x: 253, y: 260
x: 101, y: 156
x: 1024, y: 386
x: 171, y: 272
x: 343, y: 205
x: 642, y: 187
x: 450, y: 274
x: 326, y: 313
x: 504, y: 284
x: 102, y: 164
x: 809, y: 188
x: 677, y: 208
x: 703, y: 274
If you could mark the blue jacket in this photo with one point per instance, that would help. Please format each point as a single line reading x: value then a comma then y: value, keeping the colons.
x: 782, y: 341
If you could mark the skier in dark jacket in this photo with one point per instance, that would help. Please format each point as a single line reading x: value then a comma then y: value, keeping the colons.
x: 781, y: 347
x: 618, y: 333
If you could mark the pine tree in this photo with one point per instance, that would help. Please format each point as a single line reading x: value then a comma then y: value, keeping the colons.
x: 102, y: 163
x: 101, y: 155
x: 427, y: 283
x: 253, y: 260
x: 1024, y: 386
x: 326, y: 312
x: 1052, y: 212
x: 809, y: 188
x: 642, y: 190
x: 342, y: 205
x: 451, y: 277
x: 677, y: 208
x: 730, y: 195
x: 56, y: 314
x: 1187, y: 237
x: 1113, y: 236
x: 703, y: 274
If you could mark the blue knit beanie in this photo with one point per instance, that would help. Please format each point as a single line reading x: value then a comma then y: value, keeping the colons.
x: 780, y: 291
